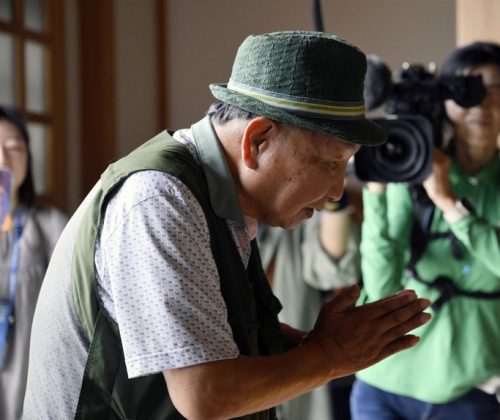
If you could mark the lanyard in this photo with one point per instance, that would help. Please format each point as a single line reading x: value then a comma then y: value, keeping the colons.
x: 14, y: 266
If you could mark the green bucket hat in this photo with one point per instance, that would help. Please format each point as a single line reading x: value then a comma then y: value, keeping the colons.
x: 311, y: 80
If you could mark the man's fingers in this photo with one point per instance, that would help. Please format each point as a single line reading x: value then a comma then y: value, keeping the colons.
x: 382, y: 307
x: 405, y: 318
x: 345, y: 298
x: 402, y: 343
x: 405, y: 312
x: 402, y: 329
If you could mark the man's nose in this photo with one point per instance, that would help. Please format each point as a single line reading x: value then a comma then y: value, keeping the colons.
x: 337, y: 188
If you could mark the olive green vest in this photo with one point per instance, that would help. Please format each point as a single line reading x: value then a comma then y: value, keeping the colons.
x: 106, y: 391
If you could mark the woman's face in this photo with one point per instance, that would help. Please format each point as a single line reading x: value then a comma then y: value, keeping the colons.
x: 13, y: 152
x: 480, y: 125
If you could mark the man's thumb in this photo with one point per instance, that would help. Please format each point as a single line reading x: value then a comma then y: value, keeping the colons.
x: 345, y: 298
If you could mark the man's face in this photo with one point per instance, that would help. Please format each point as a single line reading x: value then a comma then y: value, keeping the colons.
x: 479, y: 126
x: 299, y: 172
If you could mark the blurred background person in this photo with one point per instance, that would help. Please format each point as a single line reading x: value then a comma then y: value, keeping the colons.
x: 454, y: 371
x: 28, y: 234
x: 305, y: 266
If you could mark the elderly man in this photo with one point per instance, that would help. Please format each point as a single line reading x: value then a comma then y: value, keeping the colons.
x: 155, y: 304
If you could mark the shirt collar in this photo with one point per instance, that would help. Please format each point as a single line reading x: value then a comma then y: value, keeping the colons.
x: 487, y: 175
x: 222, y: 191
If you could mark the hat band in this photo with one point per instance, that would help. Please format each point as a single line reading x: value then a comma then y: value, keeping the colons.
x: 303, y: 106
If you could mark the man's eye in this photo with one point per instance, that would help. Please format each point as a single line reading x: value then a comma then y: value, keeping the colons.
x: 333, y: 166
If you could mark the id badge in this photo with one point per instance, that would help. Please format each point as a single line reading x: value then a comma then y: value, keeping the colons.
x: 5, y: 322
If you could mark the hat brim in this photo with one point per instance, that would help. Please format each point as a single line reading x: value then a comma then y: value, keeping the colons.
x: 358, y: 131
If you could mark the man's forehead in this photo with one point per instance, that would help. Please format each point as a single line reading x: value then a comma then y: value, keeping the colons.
x: 330, y: 141
x: 325, y: 143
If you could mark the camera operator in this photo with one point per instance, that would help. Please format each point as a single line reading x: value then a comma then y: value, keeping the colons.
x: 455, y: 370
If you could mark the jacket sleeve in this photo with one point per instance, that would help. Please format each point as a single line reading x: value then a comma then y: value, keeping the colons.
x: 386, y: 228
x: 482, y: 240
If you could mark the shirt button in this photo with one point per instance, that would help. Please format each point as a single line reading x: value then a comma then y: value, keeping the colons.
x: 473, y: 180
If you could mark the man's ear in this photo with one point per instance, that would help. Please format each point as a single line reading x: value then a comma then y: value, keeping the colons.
x: 256, y: 136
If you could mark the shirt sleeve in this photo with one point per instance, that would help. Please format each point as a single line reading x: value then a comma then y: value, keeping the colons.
x: 385, y: 240
x: 161, y: 278
x: 482, y: 240
x: 320, y: 270
x: 52, y: 222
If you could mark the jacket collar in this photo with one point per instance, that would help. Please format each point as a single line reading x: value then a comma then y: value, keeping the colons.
x: 222, y: 191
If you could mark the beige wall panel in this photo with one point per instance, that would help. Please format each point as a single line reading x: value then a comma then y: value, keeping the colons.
x: 478, y: 20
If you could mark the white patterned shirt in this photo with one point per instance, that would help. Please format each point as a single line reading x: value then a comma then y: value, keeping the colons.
x: 157, y: 277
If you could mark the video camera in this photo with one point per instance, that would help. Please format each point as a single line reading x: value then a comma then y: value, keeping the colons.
x: 413, y: 118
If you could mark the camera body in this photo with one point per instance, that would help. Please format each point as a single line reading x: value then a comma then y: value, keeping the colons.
x: 413, y: 119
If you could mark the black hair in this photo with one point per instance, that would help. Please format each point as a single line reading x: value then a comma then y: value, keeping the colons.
x: 27, y: 188
x: 222, y: 112
x: 475, y: 54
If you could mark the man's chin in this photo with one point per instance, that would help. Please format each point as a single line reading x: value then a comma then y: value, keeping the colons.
x: 299, y: 217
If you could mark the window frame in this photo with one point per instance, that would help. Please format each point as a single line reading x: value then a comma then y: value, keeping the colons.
x: 53, y: 118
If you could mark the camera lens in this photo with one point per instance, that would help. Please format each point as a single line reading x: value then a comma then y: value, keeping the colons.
x: 394, y: 150
x: 405, y: 157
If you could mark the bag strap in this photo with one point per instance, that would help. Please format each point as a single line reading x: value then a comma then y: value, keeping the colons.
x: 421, y: 234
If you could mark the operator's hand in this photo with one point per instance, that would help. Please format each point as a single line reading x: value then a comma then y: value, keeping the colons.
x: 376, y: 187
x: 357, y: 337
x: 437, y: 185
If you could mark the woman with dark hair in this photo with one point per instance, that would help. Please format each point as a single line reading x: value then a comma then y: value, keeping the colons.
x: 454, y: 372
x: 28, y: 236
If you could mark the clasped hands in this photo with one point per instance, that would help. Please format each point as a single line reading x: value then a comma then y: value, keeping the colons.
x: 355, y: 337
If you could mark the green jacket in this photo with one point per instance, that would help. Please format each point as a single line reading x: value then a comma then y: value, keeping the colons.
x: 460, y: 346
x: 252, y: 308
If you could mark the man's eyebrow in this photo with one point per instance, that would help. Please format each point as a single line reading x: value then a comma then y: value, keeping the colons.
x: 348, y: 143
x: 352, y: 146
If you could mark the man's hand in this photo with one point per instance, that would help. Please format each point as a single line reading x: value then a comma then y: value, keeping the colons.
x: 356, y: 337
x: 344, y: 340
x: 376, y: 187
